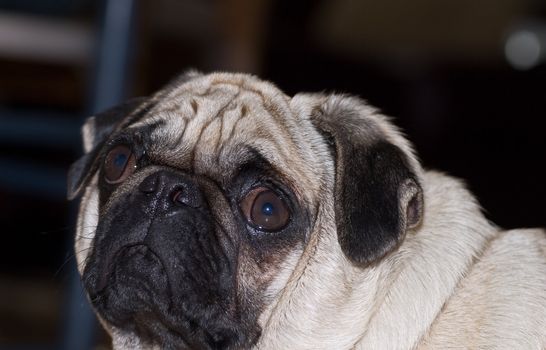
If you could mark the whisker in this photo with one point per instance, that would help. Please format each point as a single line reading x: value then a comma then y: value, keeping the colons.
x: 68, y: 259
x: 56, y: 230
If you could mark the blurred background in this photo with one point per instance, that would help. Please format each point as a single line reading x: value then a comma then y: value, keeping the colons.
x: 466, y: 79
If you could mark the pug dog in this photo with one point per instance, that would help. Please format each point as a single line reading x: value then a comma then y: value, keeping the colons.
x: 220, y: 213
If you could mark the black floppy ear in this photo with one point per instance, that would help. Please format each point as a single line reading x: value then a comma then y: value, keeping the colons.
x: 95, y: 132
x: 377, y: 192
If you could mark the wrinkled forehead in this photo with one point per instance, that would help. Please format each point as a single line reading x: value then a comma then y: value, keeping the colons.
x: 214, y: 125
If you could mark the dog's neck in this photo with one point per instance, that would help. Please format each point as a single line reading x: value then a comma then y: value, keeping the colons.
x: 347, y: 307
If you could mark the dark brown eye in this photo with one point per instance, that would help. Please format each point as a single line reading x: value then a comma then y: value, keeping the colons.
x: 119, y: 164
x: 265, y: 210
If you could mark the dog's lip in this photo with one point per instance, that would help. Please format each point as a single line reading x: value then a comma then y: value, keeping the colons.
x: 185, y: 339
x: 108, y: 268
x: 100, y: 293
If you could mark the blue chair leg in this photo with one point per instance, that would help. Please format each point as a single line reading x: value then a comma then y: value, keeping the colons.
x: 109, y: 88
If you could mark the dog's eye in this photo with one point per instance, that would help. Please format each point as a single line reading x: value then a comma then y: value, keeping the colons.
x: 264, y: 209
x: 120, y: 162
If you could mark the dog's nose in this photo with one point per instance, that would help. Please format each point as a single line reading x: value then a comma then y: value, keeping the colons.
x: 177, y: 189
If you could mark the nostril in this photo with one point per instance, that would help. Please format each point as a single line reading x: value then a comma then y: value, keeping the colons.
x: 186, y: 196
x: 149, y: 184
x: 178, y: 197
x: 172, y: 189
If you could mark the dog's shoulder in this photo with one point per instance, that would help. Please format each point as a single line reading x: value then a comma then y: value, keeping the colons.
x: 501, y: 302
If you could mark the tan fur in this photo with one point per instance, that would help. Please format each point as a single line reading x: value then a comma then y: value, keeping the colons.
x: 456, y: 281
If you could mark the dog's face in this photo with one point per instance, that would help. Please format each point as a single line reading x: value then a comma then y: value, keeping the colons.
x: 203, y: 202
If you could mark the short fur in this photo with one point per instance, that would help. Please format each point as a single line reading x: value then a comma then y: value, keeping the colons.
x: 379, y: 253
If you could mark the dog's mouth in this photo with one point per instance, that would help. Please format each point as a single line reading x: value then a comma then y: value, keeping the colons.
x: 139, y: 267
x: 132, y: 293
x: 136, y: 296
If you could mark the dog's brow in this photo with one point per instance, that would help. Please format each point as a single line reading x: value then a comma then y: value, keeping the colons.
x: 244, y: 157
x: 253, y: 158
x: 148, y: 128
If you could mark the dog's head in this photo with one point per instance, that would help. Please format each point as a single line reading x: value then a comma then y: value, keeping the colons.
x: 201, y: 201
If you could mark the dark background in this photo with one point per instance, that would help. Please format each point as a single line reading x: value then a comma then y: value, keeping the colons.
x: 438, y: 67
